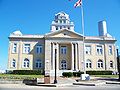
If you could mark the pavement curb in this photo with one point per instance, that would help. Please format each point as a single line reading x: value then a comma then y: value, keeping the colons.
x: 109, y: 82
x: 85, y: 84
x: 89, y: 83
x: 54, y: 85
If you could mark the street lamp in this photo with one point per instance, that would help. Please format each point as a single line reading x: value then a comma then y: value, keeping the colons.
x: 117, y: 51
x: 118, y: 62
x: 55, y: 81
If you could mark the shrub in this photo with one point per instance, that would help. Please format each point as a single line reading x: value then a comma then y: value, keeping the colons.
x: 77, y: 74
x: 9, y: 72
x: 27, y: 72
x: 99, y: 72
x: 67, y: 74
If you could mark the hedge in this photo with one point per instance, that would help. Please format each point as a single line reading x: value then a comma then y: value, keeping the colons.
x: 77, y: 74
x: 99, y: 72
x: 70, y: 74
x: 67, y: 74
x: 27, y: 72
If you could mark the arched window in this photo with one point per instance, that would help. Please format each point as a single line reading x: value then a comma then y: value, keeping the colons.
x: 100, y: 64
x: 56, y: 27
x: 13, y: 63
x: 26, y: 63
x: 63, y: 64
x: 38, y: 63
x: 111, y: 64
x: 88, y: 63
x: 68, y: 27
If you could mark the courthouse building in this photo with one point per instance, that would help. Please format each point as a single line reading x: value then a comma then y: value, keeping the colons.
x: 63, y: 44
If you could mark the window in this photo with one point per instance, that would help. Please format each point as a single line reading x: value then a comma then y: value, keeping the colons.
x: 100, y: 64
x: 38, y: 63
x: 56, y: 28
x: 65, y: 34
x: 13, y: 63
x: 63, y: 64
x: 39, y: 49
x: 14, y: 49
x: 26, y: 63
x: 26, y: 48
x: 60, y: 27
x: 111, y: 64
x: 63, y: 49
x: 56, y: 21
x: 99, y: 50
x: 110, y: 50
x: 88, y: 50
x: 64, y: 21
x: 68, y: 27
x: 64, y: 27
x: 88, y: 63
x: 60, y: 21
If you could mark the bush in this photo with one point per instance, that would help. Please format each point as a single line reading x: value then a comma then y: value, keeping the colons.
x: 27, y: 72
x: 99, y: 72
x: 9, y: 72
x: 77, y: 74
x: 67, y: 74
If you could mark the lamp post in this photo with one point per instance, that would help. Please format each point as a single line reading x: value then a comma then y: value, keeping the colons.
x: 118, y: 61
x: 55, y: 80
x: 117, y: 51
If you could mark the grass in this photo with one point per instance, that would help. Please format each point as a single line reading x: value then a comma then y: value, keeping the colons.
x: 106, y: 76
x: 19, y: 77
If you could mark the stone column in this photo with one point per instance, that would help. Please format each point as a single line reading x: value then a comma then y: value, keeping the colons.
x: 72, y: 63
x: 19, y: 55
x: 57, y: 47
x: 53, y: 56
x: 79, y: 63
x: 76, y: 58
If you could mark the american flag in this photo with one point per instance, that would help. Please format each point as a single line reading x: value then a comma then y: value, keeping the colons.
x: 78, y: 3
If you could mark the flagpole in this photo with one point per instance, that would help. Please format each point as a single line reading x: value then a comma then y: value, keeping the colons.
x: 82, y: 15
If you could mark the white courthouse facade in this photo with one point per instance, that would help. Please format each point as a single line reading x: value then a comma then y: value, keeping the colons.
x: 63, y: 44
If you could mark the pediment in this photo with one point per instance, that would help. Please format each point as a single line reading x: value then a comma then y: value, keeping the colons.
x: 64, y: 34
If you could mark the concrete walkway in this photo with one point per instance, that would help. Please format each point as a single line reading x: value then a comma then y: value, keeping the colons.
x: 95, y: 81
x: 62, y: 81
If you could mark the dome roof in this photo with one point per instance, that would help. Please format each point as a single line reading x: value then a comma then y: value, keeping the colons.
x: 18, y: 33
x: 62, y: 14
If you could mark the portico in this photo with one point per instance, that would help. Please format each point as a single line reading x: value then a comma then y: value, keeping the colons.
x: 67, y: 57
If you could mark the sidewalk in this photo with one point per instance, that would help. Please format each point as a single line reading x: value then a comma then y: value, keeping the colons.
x: 94, y: 81
x: 97, y: 81
x: 63, y: 82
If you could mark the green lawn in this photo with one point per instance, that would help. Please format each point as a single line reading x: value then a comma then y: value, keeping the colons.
x: 19, y: 77
x: 106, y: 76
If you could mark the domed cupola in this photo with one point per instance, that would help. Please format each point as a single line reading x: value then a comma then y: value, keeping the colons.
x: 17, y: 33
x: 62, y: 21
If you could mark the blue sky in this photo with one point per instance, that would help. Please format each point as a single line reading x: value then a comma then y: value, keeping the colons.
x: 35, y: 17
